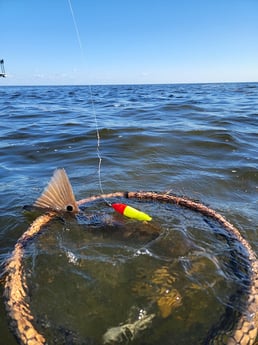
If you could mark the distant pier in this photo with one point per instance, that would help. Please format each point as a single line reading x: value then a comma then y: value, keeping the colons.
x: 2, y: 72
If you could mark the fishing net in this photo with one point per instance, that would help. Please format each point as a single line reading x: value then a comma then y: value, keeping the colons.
x: 188, y: 276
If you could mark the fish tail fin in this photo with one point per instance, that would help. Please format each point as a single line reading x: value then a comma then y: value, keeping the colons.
x: 58, y: 195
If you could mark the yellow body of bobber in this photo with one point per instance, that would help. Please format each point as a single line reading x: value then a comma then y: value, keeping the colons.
x: 131, y: 212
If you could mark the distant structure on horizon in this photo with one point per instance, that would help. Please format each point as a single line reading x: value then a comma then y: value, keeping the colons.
x: 2, y: 73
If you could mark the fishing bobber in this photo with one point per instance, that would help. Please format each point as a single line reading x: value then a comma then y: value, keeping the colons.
x: 131, y: 212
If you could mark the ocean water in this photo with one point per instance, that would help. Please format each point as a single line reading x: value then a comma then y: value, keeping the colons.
x: 197, y: 140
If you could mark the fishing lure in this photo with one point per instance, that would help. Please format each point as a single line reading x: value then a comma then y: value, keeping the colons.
x: 131, y: 212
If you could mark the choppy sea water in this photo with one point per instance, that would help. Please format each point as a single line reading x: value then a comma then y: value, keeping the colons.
x: 198, y: 140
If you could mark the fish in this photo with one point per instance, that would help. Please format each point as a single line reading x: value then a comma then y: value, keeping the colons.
x: 58, y: 195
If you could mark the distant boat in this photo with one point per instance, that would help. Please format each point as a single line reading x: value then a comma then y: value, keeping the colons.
x: 2, y: 73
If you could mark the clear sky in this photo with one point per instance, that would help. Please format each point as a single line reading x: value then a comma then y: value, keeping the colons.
x: 128, y: 41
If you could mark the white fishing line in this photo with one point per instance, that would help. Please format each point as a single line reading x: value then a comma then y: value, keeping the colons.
x: 92, y: 101
x: 76, y: 28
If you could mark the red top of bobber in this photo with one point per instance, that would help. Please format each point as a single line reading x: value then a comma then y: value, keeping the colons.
x: 119, y: 207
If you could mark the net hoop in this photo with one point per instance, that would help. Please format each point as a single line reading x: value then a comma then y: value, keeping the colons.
x: 15, y: 288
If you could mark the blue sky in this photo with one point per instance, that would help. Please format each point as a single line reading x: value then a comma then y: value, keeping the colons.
x: 129, y: 41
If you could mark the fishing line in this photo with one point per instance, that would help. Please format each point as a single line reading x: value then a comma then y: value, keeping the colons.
x: 92, y: 102
x: 76, y: 27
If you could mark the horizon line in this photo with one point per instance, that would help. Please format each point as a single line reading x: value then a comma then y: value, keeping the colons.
x: 121, y: 84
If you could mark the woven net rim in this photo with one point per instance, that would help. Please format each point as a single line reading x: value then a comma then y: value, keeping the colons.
x: 15, y: 290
